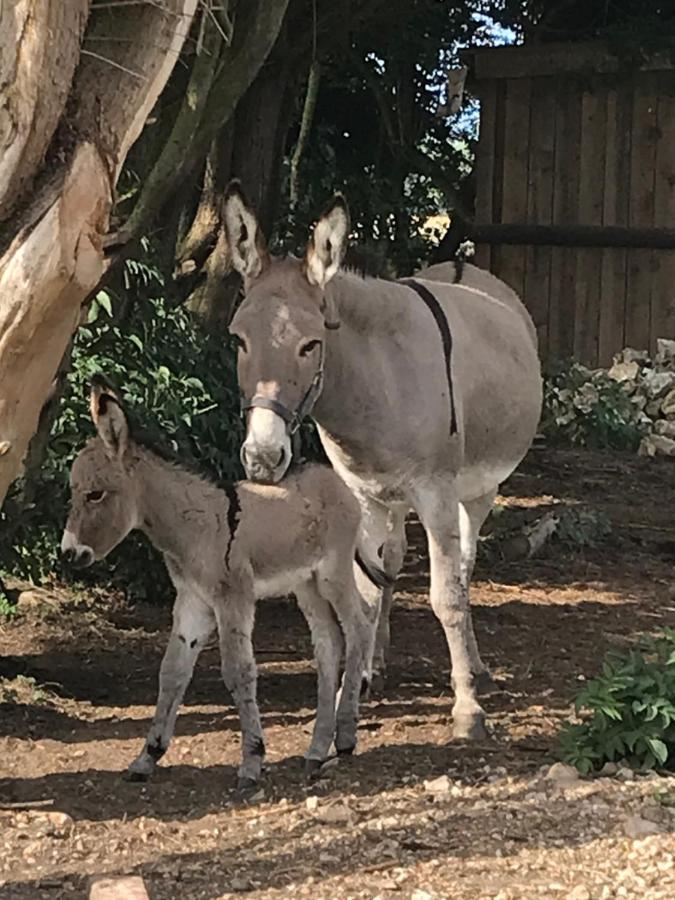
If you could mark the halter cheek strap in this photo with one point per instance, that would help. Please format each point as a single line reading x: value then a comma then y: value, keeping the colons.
x: 292, y: 418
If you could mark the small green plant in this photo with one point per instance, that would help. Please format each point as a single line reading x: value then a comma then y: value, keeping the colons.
x: 7, y: 609
x: 22, y: 689
x: 580, y: 527
x: 628, y: 711
x: 589, y: 409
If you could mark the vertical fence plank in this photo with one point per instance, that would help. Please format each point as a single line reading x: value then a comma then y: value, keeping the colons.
x: 615, y: 212
x: 485, y: 164
x: 641, y: 208
x: 514, y: 177
x: 540, y: 204
x: 663, y: 285
x: 590, y: 206
x: 565, y: 212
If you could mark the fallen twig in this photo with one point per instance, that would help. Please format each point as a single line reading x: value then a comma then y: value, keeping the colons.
x: 28, y: 804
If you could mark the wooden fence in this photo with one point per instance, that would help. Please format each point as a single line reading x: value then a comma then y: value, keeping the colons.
x: 575, y: 202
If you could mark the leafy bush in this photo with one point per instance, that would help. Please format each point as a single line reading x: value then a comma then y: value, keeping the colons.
x: 628, y: 711
x: 580, y: 527
x: 178, y: 382
x: 589, y: 409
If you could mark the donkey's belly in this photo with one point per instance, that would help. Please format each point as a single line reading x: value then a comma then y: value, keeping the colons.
x: 476, y: 481
x: 279, y: 584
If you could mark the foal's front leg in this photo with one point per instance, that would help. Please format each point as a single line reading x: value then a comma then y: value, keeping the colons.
x: 192, y: 625
x: 327, y: 642
x: 235, y: 615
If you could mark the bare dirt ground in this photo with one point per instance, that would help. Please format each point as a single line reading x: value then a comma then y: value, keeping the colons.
x: 374, y: 826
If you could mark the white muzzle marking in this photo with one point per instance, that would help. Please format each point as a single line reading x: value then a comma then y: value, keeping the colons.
x: 267, y: 451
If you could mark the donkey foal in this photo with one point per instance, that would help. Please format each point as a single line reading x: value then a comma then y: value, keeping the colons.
x: 224, y: 549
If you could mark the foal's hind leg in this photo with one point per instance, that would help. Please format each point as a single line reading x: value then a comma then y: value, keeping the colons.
x: 235, y: 615
x: 341, y: 593
x: 472, y: 514
x: 192, y: 624
x: 327, y: 642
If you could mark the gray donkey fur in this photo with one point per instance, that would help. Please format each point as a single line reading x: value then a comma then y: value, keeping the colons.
x: 426, y: 394
x: 224, y: 549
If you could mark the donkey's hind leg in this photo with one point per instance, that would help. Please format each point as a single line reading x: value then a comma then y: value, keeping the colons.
x: 192, y: 625
x: 382, y: 540
x: 327, y: 642
x: 472, y: 514
x: 438, y: 510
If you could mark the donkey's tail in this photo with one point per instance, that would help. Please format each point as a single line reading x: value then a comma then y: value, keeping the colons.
x: 373, y: 572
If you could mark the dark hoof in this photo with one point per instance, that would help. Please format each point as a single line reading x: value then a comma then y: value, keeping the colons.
x: 365, y: 688
x: 135, y: 777
x: 346, y: 751
x: 485, y: 684
x: 377, y: 684
x: 313, y: 769
x: 247, y: 788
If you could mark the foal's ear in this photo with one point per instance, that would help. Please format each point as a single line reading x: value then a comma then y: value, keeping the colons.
x: 109, y: 418
x: 328, y: 244
x: 246, y: 241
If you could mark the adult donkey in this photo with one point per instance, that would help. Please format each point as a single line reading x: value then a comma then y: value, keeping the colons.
x: 426, y: 394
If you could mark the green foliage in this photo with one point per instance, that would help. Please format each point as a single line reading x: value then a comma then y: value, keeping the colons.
x: 7, y: 609
x: 22, y: 689
x: 178, y: 383
x: 397, y: 161
x: 628, y: 711
x: 589, y: 409
x: 580, y: 527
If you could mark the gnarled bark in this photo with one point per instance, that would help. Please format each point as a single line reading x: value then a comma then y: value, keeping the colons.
x: 32, y: 58
x: 52, y: 254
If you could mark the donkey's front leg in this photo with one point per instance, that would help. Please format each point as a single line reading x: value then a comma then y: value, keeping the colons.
x: 192, y: 625
x: 437, y: 506
x: 235, y: 617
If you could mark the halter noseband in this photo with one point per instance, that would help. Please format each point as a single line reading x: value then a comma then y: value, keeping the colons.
x: 293, y: 418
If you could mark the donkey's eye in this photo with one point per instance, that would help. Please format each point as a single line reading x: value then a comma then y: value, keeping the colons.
x: 95, y: 496
x: 307, y: 348
x: 240, y: 343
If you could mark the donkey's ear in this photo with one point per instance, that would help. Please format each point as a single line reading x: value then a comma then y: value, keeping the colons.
x: 328, y: 244
x: 246, y: 241
x: 109, y: 418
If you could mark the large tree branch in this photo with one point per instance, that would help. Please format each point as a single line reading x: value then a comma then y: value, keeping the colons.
x: 54, y: 258
x: 31, y: 58
x: 186, y: 124
x: 242, y: 63
x: 308, y: 108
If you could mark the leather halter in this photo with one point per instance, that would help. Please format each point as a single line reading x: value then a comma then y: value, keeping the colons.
x: 293, y: 418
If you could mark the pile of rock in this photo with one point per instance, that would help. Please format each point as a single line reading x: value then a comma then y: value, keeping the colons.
x: 650, y: 383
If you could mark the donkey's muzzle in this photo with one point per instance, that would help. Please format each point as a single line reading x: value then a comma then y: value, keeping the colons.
x: 266, y: 467
x: 78, y: 557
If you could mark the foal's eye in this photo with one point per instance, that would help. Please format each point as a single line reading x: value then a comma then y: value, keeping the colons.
x: 240, y: 343
x: 95, y: 496
x: 307, y: 348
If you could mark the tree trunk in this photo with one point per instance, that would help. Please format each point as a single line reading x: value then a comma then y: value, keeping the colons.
x: 250, y: 149
x: 76, y: 104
